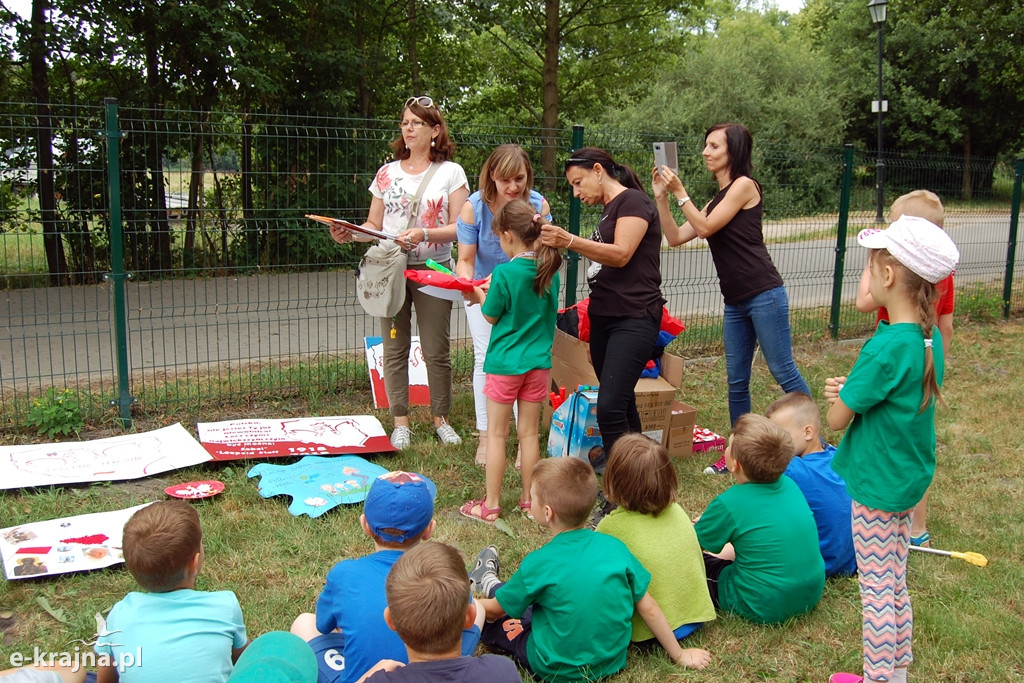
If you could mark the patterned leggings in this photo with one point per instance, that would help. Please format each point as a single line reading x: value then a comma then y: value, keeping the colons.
x: 882, y: 542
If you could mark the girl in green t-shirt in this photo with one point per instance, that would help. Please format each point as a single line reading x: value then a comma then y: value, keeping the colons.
x: 887, y: 456
x: 521, y: 302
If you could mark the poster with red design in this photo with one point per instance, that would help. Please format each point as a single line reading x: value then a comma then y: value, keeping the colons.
x: 62, y: 546
x: 129, y: 456
x: 419, y: 391
x: 281, y: 438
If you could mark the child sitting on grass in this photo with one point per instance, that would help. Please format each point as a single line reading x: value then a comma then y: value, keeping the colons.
x: 180, y: 633
x: 429, y: 605
x: 348, y: 632
x: 766, y: 565
x: 640, y: 478
x: 566, y: 614
x: 824, y: 490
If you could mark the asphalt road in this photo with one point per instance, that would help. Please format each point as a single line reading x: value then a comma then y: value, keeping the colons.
x: 179, y: 327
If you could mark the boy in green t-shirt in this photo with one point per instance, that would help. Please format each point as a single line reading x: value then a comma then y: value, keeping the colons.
x: 572, y: 600
x: 766, y: 564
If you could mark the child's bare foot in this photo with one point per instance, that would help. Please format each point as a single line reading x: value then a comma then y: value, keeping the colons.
x: 694, y: 658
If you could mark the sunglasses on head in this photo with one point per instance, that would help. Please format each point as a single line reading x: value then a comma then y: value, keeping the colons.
x: 421, y: 100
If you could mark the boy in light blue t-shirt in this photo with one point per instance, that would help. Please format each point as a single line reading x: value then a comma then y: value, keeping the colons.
x: 172, y: 632
x: 824, y: 489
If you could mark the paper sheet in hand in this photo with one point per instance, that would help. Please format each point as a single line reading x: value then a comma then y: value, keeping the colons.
x: 328, y: 221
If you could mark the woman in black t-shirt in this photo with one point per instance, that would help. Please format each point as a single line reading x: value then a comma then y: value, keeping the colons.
x: 756, y: 304
x: 625, y: 284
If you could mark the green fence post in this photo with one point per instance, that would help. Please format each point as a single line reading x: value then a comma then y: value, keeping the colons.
x: 1011, y: 250
x: 117, y: 275
x: 572, y: 259
x: 844, y: 214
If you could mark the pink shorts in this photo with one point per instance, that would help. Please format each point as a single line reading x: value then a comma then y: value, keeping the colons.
x: 531, y: 387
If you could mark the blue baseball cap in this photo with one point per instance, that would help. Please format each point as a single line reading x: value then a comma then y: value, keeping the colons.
x: 399, y: 505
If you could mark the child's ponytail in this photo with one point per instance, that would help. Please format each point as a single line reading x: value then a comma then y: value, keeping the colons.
x: 925, y: 295
x: 548, y: 261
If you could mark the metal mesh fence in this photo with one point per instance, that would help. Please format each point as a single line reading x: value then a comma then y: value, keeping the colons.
x: 232, y: 292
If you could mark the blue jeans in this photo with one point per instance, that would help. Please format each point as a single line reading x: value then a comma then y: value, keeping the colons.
x: 764, y: 320
x: 619, y: 350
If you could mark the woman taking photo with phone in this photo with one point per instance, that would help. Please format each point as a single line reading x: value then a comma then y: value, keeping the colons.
x: 756, y: 304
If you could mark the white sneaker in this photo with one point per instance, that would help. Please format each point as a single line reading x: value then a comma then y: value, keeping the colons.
x: 401, y: 438
x: 447, y: 434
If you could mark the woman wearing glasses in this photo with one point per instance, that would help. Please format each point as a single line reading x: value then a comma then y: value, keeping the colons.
x: 423, y: 153
x: 506, y: 175
x: 756, y: 304
x: 625, y: 284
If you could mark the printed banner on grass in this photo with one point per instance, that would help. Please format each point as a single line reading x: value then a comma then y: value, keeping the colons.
x: 62, y: 546
x: 255, y: 439
x: 419, y: 392
x: 129, y: 456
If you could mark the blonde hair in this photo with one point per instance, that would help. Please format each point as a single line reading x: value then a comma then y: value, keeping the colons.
x: 805, y: 410
x: 159, y: 541
x: 921, y: 203
x: 505, y: 162
x: 639, y: 475
x: 428, y: 593
x: 522, y: 220
x: 568, y: 486
x: 924, y: 294
x: 762, y: 448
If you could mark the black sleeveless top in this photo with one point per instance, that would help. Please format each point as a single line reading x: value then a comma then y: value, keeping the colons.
x: 741, y: 258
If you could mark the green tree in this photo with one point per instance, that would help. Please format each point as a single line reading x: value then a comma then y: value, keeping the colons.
x: 553, y: 61
x: 952, y: 74
x: 758, y: 70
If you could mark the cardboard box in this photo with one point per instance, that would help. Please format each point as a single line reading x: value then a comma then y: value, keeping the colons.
x: 570, y: 367
x: 678, y: 435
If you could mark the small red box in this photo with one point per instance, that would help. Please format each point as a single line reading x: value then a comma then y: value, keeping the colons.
x: 707, y: 440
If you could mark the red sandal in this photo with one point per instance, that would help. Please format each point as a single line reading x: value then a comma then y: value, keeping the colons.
x: 486, y: 515
x: 526, y: 507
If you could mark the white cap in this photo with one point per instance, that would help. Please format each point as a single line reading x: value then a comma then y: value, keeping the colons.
x: 919, y: 244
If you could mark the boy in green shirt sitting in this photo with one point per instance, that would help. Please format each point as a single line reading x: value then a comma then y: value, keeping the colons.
x: 766, y: 564
x: 566, y: 614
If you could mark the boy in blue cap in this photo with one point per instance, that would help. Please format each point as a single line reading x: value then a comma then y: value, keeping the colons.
x: 348, y: 633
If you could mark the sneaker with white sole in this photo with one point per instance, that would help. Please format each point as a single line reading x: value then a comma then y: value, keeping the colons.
x: 718, y: 468
x: 483, y: 578
x: 401, y: 438
x: 447, y: 434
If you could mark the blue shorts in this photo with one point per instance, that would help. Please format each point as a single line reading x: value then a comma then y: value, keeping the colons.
x: 329, y: 649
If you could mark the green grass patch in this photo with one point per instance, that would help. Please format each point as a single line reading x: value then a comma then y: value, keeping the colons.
x: 968, y: 620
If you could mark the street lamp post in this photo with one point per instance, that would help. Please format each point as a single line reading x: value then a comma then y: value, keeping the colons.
x: 877, y: 9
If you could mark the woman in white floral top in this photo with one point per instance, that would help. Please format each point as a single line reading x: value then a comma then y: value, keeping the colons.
x: 423, y: 142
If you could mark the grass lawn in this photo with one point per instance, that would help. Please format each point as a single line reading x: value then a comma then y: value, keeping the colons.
x: 969, y: 621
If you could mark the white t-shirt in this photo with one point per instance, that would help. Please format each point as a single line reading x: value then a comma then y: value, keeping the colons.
x: 397, y: 189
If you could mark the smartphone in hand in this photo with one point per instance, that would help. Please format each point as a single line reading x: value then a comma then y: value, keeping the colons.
x: 666, y: 154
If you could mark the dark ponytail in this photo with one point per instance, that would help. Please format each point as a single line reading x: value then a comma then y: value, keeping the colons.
x: 586, y: 157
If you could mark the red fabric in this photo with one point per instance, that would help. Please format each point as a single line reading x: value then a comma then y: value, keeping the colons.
x: 943, y: 305
x: 443, y: 280
x: 670, y: 323
x: 95, y: 539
